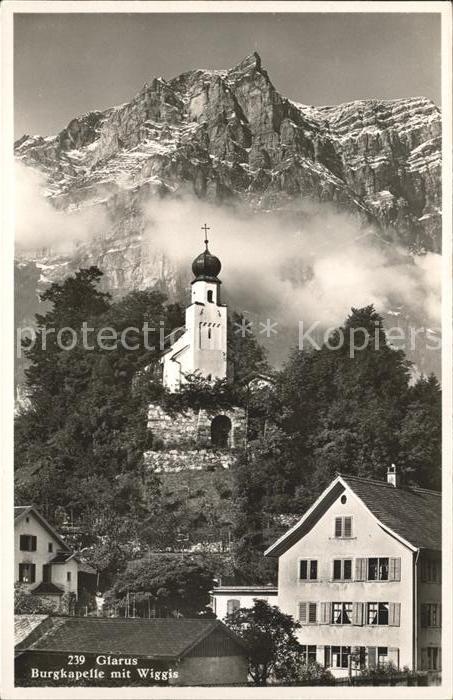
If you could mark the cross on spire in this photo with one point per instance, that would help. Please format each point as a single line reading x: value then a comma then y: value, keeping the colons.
x: 206, y: 228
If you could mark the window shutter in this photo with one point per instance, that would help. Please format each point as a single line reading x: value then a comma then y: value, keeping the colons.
x: 21, y: 572
x: 347, y: 527
x: 360, y: 569
x: 324, y: 614
x: 394, y: 656
x: 312, y: 613
x: 372, y: 657
x: 33, y: 543
x: 395, y: 569
x: 338, y: 527
x: 303, y: 613
x: 394, y: 614
x: 357, y: 614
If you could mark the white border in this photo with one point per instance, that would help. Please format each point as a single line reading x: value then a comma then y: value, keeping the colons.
x: 8, y: 8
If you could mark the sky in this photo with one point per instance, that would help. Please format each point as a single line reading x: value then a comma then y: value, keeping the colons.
x: 68, y: 64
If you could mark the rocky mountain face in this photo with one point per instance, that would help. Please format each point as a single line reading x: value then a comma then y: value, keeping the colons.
x: 229, y: 136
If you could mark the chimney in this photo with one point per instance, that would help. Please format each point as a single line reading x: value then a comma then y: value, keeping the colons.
x: 393, y: 476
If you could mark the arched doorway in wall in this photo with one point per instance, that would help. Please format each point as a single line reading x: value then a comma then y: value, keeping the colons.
x: 220, y: 431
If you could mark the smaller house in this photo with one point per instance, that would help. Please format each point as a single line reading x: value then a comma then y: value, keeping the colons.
x: 226, y: 599
x: 134, y: 651
x: 44, y: 563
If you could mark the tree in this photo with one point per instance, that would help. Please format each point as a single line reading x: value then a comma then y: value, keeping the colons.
x: 420, y: 434
x: 27, y: 604
x: 271, y: 638
x: 168, y: 584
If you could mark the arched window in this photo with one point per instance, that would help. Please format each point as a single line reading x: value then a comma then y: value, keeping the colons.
x: 210, y: 295
x: 220, y: 431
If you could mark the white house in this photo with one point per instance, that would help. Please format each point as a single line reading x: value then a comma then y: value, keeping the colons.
x: 361, y: 572
x: 202, y: 345
x: 227, y: 599
x: 43, y: 562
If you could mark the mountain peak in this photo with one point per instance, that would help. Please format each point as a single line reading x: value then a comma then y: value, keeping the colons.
x: 249, y: 63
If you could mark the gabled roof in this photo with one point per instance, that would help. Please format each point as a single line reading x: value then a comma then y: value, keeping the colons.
x: 161, y: 638
x: 412, y: 515
x: 21, y: 511
x: 24, y: 625
x: 63, y: 557
x: 415, y: 514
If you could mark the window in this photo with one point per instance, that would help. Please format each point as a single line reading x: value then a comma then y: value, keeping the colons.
x: 308, y: 569
x: 430, y: 615
x: 68, y: 576
x: 341, y: 613
x: 27, y: 573
x: 382, y: 656
x: 233, y: 605
x: 308, y: 613
x: 309, y: 654
x: 47, y: 573
x: 342, y: 569
x: 343, y: 526
x: 378, y: 614
x: 340, y: 657
x: 378, y: 569
x: 209, y: 333
x: 431, y: 658
x: 50, y: 547
x: 210, y: 293
x: 431, y: 570
x: 27, y: 543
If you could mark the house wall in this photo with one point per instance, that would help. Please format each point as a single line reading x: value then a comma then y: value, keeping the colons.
x: 59, y: 576
x: 220, y: 601
x: 42, y: 555
x: 212, y: 670
x: 427, y: 592
x: 368, y: 540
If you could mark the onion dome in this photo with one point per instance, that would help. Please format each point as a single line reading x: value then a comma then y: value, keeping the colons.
x: 206, y: 266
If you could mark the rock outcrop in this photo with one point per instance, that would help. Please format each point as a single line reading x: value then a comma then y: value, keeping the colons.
x: 229, y: 136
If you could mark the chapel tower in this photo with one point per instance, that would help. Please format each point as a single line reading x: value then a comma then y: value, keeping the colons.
x: 202, y: 348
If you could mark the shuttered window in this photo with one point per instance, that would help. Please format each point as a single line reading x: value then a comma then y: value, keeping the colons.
x: 360, y: 569
x: 303, y: 613
x: 347, y: 527
x: 324, y: 613
x: 357, y: 614
x: 307, y: 613
x: 343, y: 526
x: 394, y: 614
x: 395, y: 569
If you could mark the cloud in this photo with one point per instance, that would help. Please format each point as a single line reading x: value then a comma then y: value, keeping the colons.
x: 40, y: 225
x: 313, y: 265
